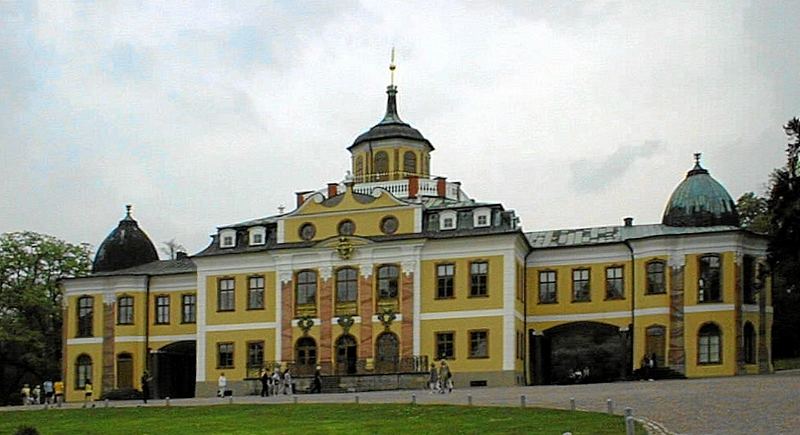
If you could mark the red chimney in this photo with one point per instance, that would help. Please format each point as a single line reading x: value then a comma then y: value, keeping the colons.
x: 441, y: 186
x: 413, y: 186
x: 301, y: 197
x: 333, y: 189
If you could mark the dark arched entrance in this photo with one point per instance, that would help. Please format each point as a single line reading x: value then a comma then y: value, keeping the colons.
x: 173, y: 370
x: 346, y: 354
x: 564, y: 349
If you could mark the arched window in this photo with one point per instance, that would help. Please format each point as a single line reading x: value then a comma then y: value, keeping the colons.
x: 346, y: 284
x: 124, y: 370
x: 409, y: 163
x: 85, y: 316
x: 305, y: 352
x: 359, y: 168
x: 709, y: 344
x: 83, y: 370
x: 655, y: 277
x: 749, y: 343
x: 381, y: 166
x: 387, y: 281
x: 346, y: 354
x: 306, y: 287
x: 709, y: 282
x: 387, y: 352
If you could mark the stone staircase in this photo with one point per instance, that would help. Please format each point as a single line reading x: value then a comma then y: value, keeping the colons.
x: 330, y: 384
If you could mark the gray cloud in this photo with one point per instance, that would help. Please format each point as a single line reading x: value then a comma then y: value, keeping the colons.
x: 592, y: 176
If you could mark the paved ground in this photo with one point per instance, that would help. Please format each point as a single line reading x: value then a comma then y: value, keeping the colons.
x: 768, y: 404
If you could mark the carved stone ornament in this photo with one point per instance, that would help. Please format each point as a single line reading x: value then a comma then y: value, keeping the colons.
x: 305, y: 323
x: 344, y: 248
x: 386, y: 317
x: 346, y: 322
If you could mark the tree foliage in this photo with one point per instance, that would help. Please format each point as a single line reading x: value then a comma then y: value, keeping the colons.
x: 171, y: 248
x: 30, y: 305
x: 784, y: 247
x: 754, y: 212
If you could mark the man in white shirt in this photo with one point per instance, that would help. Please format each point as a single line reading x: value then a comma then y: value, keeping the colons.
x: 222, y: 384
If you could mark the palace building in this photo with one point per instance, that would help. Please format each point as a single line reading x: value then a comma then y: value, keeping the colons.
x: 393, y: 269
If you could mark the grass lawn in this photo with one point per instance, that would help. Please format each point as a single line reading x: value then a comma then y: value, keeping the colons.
x: 312, y: 418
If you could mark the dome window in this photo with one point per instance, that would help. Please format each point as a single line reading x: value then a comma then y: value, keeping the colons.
x: 448, y: 220
x: 481, y: 217
x: 227, y: 238
x: 258, y: 236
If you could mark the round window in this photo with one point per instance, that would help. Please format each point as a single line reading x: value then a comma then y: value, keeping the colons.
x: 347, y: 228
x: 307, y: 231
x: 389, y: 225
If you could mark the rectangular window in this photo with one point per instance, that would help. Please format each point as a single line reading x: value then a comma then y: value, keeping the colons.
x: 226, y: 294
x: 346, y: 285
x: 445, y: 345
x: 258, y: 239
x: 482, y: 220
x: 162, y: 309
x: 388, y: 282
x: 224, y: 355
x: 255, y: 293
x: 125, y: 310
x: 709, y: 282
x: 581, y: 289
x: 709, y: 349
x: 188, y: 308
x: 615, y: 284
x: 479, y: 273
x: 306, y: 287
x: 655, y: 278
x: 548, y: 289
x: 479, y: 344
x: 255, y: 354
x: 444, y: 281
x: 85, y: 316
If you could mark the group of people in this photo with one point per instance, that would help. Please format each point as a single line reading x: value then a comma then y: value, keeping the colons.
x: 275, y: 383
x: 48, y: 392
x: 441, y: 379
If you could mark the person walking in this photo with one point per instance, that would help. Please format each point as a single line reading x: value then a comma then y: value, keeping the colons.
x: 58, y: 389
x: 222, y: 385
x: 146, y: 378
x: 265, y: 380
x: 87, y: 394
x: 47, y: 386
x: 316, y: 386
x: 25, y: 392
x: 433, y: 379
x: 445, y: 376
x: 37, y: 394
x: 287, y: 382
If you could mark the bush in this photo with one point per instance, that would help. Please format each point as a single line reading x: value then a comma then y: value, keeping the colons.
x: 26, y: 430
x: 122, y: 394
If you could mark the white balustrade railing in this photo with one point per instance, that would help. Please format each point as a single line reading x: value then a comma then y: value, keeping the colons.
x: 400, y: 188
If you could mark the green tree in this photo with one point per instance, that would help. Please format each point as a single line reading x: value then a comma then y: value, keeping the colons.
x: 753, y: 212
x: 30, y: 305
x: 784, y: 247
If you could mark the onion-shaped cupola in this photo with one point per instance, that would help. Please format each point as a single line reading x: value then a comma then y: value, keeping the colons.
x: 125, y: 247
x: 700, y: 201
x: 392, y: 149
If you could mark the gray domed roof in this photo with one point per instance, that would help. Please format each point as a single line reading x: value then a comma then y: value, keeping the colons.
x: 700, y: 201
x: 126, y: 246
x: 391, y: 126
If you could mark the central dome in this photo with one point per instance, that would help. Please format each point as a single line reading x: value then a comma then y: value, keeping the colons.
x: 700, y: 201
x: 126, y: 246
x: 391, y: 126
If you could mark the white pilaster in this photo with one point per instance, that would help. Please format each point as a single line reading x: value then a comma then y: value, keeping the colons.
x: 200, y: 371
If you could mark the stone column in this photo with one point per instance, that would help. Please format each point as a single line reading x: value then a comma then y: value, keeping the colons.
x: 287, y: 314
x: 407, y: 309
x: 108, y: 376
x: 366, y: 310
x: 325, y: 314
x: 677, y: 349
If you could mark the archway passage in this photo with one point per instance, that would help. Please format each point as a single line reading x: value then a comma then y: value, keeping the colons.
x: 173, y: 370
x: 346, y: 354
x: 387, y: 352
x: 600, y: 352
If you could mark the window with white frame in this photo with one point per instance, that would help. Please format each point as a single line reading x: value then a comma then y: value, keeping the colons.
x: 258, y: 236
x: 481, y: 217
x: 448, y: 220
x: 227, y: 238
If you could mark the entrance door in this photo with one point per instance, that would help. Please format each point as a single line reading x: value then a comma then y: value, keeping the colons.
x: 173, y: 369
x: 346, y: 354
x: 124, y: 371
x: 655, y: 343
x: 387, y: 353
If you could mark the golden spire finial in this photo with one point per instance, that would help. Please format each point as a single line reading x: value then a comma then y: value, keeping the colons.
x: 392, y: 67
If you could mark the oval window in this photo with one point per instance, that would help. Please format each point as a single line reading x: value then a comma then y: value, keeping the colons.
x: 389, y: 225
x: 347, y: 228
x: 307, y: 231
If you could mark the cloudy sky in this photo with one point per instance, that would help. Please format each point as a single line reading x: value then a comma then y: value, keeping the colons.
x: 202, y: 114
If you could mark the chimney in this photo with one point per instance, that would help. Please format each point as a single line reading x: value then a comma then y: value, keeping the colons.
x: 333, y: 189
x: 301, y: 197
x: 413, y: 186
x: 180, y: 255
x: 628, y: 221
x: 441, y: 186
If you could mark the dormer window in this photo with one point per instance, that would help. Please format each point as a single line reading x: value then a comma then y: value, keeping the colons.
x: 227, y: 238
x: 481, y: 217
x: 447, y: 220
x: 257, y: 236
